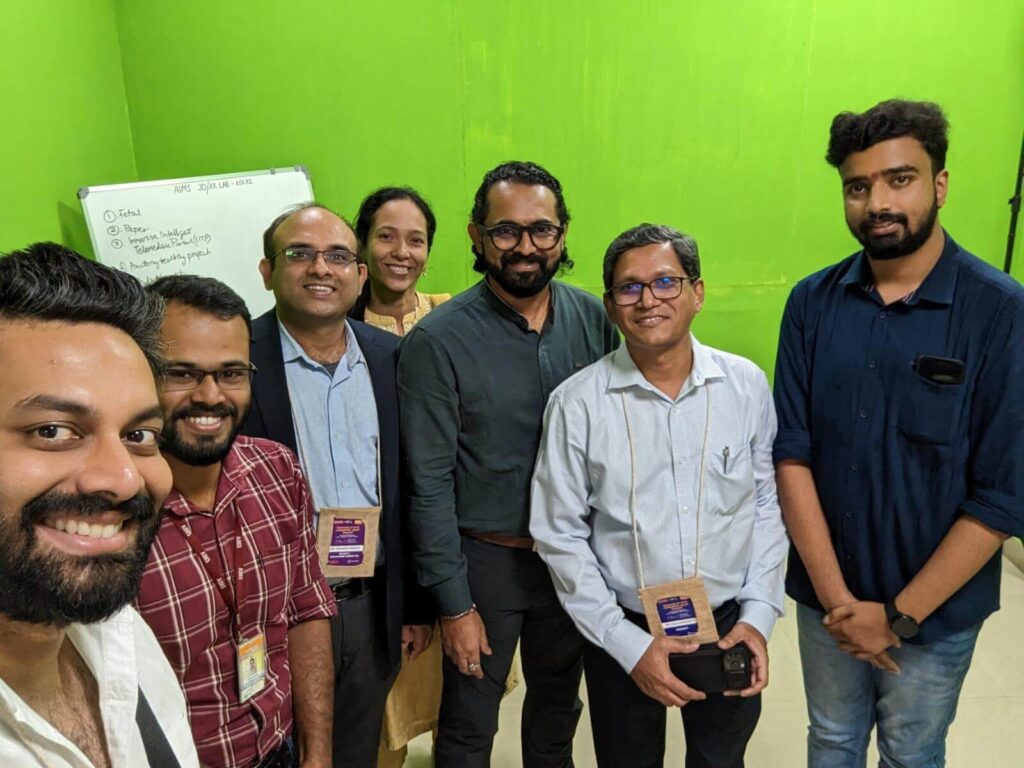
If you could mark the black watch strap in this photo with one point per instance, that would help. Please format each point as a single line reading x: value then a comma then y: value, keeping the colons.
x: 905, y: 627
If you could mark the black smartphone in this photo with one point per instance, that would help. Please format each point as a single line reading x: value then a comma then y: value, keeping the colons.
x: 712, y: 670
x: 941, y: 370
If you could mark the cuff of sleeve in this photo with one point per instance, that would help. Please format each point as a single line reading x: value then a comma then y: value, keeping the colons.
x: 626, y: 643
x: 452, y: 596
x: 314, y: 602
x: 792, y: 444
x: 761, y: 616
x: 996, y: 511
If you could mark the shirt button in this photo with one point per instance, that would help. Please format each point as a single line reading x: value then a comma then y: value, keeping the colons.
x: 882, y: 314
x: 855, y: 467
x: 872, y: 364
x: 848, y: 514
x: 863, y: 414
x: 685, y: 510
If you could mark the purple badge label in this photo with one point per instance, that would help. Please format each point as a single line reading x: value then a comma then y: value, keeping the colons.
x: 677, y: 616
x: 348, y: 539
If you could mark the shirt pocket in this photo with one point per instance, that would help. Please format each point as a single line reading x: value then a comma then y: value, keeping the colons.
x: 730, y: 482
x: 930, y: 412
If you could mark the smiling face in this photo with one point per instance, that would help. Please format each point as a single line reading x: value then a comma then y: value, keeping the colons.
x: 396, y: 247
x: 201, y: 423
x: 315, y: 292
x: 891, y: 198
x: 524, y: 270
x: 80, y: 470
x: 654, y: 325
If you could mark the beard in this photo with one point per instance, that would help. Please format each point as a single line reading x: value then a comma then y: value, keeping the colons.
x: 206, y: 449
x: 522, y: 285
x: 57, y: 589
x: 895, y: 245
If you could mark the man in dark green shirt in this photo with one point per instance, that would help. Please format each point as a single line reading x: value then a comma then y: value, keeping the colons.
x: 474, y: 377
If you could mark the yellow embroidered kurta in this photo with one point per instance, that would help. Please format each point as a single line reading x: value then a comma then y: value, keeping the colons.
x: 424, y: 303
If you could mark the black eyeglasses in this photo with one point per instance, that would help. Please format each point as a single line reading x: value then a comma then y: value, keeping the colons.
x: 335, y: 257
x: 544, y: 235
x: 663, y: 288
x: 184, y: 379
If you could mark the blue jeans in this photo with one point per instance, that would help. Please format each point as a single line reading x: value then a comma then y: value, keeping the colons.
x: 846, y: 698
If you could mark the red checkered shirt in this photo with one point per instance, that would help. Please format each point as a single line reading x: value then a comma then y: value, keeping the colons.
x: 262, y: 500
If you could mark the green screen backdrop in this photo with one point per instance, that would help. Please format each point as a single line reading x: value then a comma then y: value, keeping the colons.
x: 64, y: 116
x: 709, y: 116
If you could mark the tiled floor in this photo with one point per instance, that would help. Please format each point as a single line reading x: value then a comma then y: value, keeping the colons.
x: 988, y: 732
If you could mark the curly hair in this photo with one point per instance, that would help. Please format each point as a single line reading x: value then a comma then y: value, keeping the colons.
x: 891, y: 119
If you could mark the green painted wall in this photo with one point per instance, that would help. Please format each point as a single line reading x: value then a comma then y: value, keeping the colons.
x: 710, y: 116
x: 65, y: 117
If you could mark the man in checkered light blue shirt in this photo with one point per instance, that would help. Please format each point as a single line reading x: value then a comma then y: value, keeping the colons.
x: 685, y: 417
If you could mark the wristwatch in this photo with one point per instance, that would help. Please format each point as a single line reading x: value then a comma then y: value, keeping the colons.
x: 905, y: 627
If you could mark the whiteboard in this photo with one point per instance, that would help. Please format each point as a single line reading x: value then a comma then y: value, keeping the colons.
x: 205, y: 225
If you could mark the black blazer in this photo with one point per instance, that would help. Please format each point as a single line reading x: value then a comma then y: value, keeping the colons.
x: 271, y: 417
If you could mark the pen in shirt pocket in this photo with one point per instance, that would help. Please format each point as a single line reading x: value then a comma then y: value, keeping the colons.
x: 725, y: 459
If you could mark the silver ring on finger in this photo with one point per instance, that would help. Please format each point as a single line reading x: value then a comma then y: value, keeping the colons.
x: 472, y: 667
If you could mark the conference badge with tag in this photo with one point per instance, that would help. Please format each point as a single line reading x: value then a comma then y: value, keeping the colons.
x: 252, y: 667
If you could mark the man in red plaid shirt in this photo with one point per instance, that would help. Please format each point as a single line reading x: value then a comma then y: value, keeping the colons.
x: 233, y: 589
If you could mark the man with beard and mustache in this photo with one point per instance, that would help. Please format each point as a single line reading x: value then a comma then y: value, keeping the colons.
x: 900, y: 450
x: 474, y: 377
x: 82, y: 679
x: 233, y: 588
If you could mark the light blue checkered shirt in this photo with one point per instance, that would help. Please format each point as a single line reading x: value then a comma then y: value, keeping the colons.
x: 580, y: 512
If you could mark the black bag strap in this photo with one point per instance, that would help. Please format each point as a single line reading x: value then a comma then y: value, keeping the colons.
x: 158, y: 750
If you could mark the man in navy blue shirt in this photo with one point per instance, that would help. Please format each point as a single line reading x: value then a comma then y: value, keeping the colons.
x: 900, y: 451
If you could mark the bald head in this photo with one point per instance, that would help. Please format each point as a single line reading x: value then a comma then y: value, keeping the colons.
x: 272, y: 242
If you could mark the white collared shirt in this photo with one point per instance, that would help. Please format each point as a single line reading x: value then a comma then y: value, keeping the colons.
x: 580, y: 509
x: 122, y: 655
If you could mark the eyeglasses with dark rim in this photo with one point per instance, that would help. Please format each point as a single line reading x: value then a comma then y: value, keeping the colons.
x: 662, y: 288
x: 335, y: 257
x: 543, y: 234
x: 184, y: 379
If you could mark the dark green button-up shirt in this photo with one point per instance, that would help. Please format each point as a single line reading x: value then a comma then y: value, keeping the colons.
x: 473, y: 380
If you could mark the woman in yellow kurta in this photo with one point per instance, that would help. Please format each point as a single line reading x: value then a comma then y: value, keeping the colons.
x: 396, y: 229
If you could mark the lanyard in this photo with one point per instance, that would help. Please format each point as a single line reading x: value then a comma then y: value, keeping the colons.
x: 633, y: 481
x: 213, y: 569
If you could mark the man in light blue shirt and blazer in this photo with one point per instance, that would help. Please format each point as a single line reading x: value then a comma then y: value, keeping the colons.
x: 656, y: 466
x: 325, y: 387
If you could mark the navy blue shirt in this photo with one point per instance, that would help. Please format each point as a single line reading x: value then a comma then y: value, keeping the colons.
x: 897, y: 458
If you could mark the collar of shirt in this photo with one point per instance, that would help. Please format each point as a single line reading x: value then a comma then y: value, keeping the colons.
x: 233, y: 473
x: 511, y: 314
x: 938, y: 286
x: 625, y: 374
x: 121, y: 656
x: 293, y: 352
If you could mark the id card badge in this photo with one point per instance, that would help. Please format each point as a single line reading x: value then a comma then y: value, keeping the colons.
x: 252, y: 667
x: 680, y: 609
x: 346, y: 541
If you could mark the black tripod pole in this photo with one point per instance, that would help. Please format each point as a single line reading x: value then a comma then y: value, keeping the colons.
x: 1014, y: 212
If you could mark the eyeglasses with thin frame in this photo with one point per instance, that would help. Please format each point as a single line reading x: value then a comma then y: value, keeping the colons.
x: 662, y: 288
x: 543, y: 234
x: 185, y: 379
x: 335, y: 257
